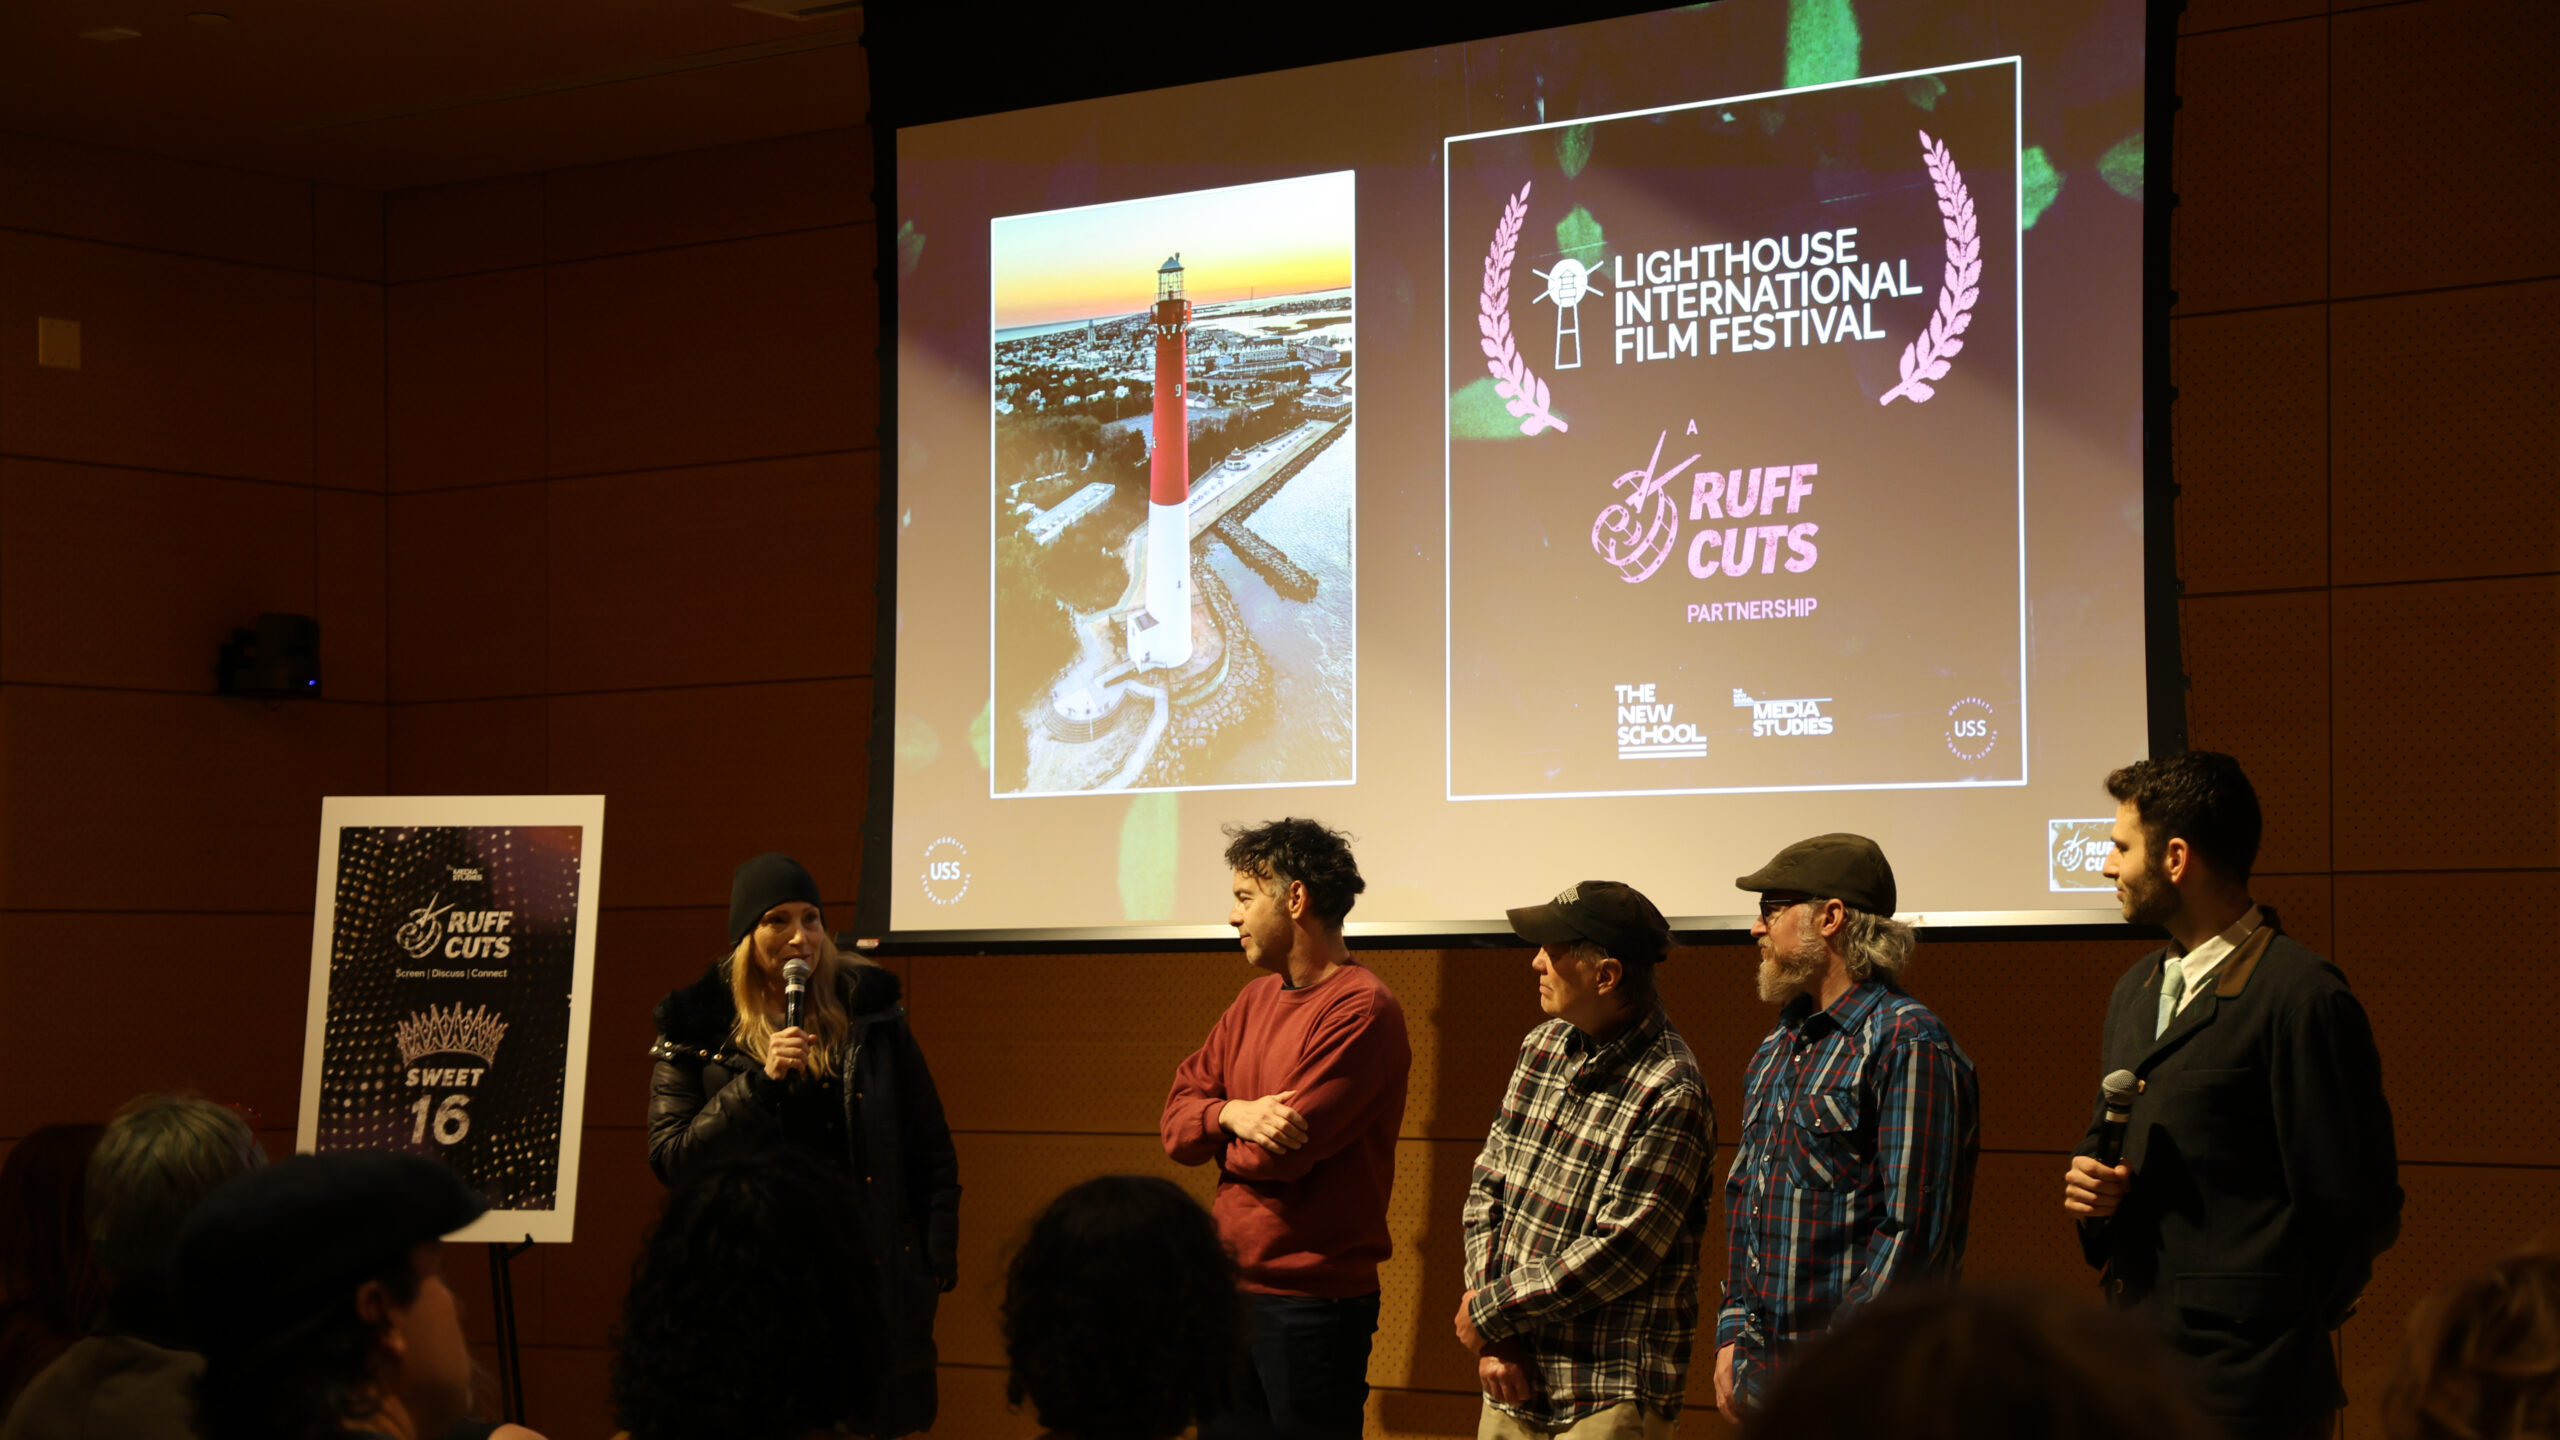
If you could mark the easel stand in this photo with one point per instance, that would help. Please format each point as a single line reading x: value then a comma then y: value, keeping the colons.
x: 502, y: 1300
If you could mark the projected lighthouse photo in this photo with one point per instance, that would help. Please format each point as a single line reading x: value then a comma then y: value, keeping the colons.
x: 1160, y: 635
x: 1172, y: 488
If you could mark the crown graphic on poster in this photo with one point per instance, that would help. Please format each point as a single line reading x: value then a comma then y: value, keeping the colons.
x: 451, y: 1032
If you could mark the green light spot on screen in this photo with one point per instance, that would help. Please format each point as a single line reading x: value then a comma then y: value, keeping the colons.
x: 910, y: 248
x: 2121, y: 166
x: 1924, y: 90
x: 917, y: 743
x: 2038, y: 184
x: 1822, y: 42
x: 1578, y: 235
x: 981, y: 736
x: 1150, y: 839
x: 1476, y: 413
x: 1573, y: 149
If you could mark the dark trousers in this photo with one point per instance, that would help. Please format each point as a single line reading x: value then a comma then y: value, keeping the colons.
x: 1307, y: 1373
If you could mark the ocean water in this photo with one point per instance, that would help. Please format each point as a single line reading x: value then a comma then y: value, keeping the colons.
x: 1309, y: 646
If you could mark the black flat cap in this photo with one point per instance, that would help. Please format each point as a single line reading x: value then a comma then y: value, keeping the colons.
x: 1848, y: 868
x: 276, y: 1247
x: 1614, y: 916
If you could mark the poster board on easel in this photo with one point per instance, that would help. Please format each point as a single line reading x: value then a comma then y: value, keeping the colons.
x: 452, y: 981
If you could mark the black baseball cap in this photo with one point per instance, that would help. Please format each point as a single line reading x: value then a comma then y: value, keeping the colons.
x: 275, y: 1248
x: 1848, y: 868
x: 1612, y: 915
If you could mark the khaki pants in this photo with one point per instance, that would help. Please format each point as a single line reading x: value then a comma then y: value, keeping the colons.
x: 1626, y: 1420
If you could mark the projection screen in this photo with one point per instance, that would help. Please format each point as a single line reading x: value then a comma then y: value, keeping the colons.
x: 1607, y: 452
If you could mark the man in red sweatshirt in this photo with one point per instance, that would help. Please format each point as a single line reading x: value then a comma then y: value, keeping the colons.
x: 1298, y: 1094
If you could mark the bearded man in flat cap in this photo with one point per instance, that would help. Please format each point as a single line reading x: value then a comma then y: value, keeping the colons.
x: 1861, y: 1120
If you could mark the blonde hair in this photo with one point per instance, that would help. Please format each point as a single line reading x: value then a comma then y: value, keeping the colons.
x: 1875, y: 945
x: 757, y: 999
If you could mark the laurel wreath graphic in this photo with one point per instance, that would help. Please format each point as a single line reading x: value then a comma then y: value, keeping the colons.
x: 1522, y: 392
x: 1925, y: 359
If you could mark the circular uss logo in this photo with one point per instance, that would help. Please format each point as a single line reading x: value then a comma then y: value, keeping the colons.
x: 946, y: 871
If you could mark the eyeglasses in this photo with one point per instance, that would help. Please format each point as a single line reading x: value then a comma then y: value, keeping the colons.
x: 1772, y: 909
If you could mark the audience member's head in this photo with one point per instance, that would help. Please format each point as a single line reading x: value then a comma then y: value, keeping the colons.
x: 1121, y: 1318
x: 50, y: 1284
x: 1989, y: 1363
x: 314, y: 1288
x: 754, y: 1308
x: 2483, y: 1361
x: 160, y: 1156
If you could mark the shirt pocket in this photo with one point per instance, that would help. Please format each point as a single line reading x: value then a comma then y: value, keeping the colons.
x: 1822, y: 1139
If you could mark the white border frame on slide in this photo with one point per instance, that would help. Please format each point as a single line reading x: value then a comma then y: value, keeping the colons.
x: 1353, y: 542
x: 2017, y: 309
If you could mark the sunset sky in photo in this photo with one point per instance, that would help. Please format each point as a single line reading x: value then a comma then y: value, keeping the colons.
x: 1281, y: 237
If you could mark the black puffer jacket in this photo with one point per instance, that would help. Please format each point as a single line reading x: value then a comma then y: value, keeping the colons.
x: 710, y: 1101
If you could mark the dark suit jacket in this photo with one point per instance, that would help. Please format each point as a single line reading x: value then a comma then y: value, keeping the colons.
x: 2265, y: 1179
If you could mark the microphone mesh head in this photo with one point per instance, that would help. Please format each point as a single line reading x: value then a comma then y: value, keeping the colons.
x: 2119, y: 1087
x: 795, y: 971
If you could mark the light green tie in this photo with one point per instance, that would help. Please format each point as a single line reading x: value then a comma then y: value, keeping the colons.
x: 2173, y: 988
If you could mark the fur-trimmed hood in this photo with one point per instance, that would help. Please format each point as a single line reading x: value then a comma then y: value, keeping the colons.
x: 698, y: 1015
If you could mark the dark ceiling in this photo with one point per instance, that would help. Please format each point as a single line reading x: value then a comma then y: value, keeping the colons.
x: 388, y: 94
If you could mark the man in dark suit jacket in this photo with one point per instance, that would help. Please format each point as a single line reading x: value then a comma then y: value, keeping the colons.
x: 2259, y: 1178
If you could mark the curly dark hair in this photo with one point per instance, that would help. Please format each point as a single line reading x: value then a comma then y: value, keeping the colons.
x: 1931, y: 1362
x: 753, y: 1259
x: 1305, y: 851
x: 2483, y: 1360
x: 2201, y: 797
x: 1121, y: 1316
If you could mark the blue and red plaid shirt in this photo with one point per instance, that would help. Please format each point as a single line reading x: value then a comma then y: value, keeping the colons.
x: 1860, y: 1128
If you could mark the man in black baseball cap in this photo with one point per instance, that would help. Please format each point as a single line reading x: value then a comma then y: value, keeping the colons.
x: 315, y: 1290
x: 1592, y: 1183
x: 1855, y: 1171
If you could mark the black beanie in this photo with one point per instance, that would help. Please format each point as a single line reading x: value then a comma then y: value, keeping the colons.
x: 762, y: 883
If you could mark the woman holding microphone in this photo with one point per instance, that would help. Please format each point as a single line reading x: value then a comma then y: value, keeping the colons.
x: 846, y: 1084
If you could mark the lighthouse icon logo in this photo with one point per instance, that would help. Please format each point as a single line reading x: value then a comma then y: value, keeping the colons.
x: 1567, y: 284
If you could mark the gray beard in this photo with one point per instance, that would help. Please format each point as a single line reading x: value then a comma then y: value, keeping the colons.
x: 1783, y: 978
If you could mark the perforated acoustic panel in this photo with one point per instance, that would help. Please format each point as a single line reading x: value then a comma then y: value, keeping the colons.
x: 2446, y: 171
x: 2455, y: 385
x: 2252, y: 449
x: 2448, y: 725
x: 2252, y: 154
x: 2260, y: 666
x: 2465, y: 1034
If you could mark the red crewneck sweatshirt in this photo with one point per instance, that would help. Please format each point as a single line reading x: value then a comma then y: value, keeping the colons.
x: 1313, y: 1221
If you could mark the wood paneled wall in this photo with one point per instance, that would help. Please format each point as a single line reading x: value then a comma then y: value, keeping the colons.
x: 2369, y: 280
x: 578, y: 470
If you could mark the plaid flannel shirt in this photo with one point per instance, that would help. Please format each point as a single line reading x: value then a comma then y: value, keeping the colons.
x: 1585, y: 1212
x: 1861, y: 1125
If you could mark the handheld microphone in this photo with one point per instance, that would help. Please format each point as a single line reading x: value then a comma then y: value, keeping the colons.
x: 795, y: 990
x: 2118, y: 1089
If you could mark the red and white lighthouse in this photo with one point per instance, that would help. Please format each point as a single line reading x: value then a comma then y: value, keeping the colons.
x: 1160, y: 636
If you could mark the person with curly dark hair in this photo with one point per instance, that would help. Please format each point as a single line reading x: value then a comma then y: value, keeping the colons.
x: 754, y: 1311
x: 1297, y: 1095
x: 1121, y: 1317
x: 2483, y: 1360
